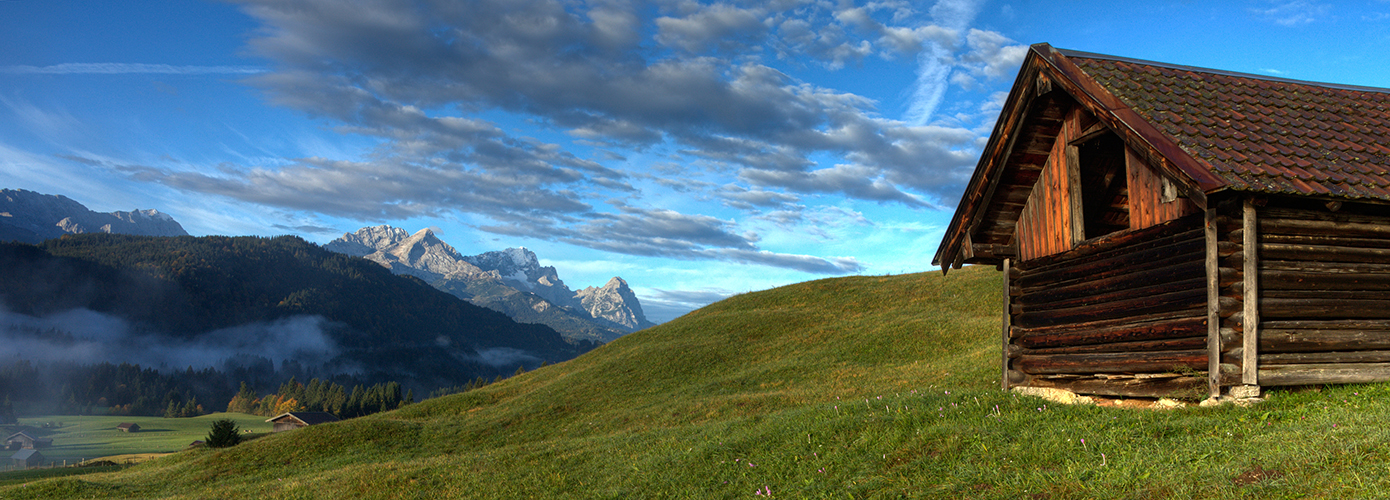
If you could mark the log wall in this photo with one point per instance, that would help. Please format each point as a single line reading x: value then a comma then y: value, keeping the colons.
x: 1120, y: 315
x: 1323, y: 294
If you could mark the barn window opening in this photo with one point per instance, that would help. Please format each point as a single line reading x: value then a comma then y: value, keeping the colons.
x: 1104, y: 185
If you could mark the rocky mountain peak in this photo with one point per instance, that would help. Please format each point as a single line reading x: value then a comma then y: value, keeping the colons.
x: 521, y: 268
x: 514, y: 276
x: 367, y: 240
x: 616, y: 303
x: 33, y: 217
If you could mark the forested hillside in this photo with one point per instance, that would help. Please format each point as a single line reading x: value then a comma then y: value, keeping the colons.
x: 181, y: 294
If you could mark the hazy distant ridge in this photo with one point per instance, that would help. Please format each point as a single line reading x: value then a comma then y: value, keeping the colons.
x: 32, y: 217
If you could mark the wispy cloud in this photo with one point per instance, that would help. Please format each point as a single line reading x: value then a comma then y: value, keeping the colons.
x: 128, y: 69
x: 1292, y: 13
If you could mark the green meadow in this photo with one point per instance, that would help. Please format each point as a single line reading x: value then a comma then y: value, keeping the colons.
x: 77, y: 438
x: 860, y: 387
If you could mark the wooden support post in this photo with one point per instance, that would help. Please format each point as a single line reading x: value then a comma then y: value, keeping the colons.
x: 1074, y: 199
x: 1250, y: 365
x: 1004, y: 347
x: 1213, y: 308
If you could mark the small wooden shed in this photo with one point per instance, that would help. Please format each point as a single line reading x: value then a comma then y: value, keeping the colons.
x: 296, y: 419
x: 20, y: 440
x: 24, y: 459
x: 128, y: 427
x: 1170, y: 230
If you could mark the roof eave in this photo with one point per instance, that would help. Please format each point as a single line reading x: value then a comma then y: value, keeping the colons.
x: 988, y: 168
x: 1195, y: 175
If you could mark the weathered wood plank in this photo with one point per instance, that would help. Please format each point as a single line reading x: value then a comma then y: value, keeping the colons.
x: 1089, y: 268
x: 1302, y: 280
x: 1313, y: 308
x: 1335, y: 241
x: 1185, y: 269
x: 1366, y: 229
x: 1267, y: 264
x: 1213, y: 352
x: 1294, y: 358
x: 1160, y: 288
x: 1282, y: 251
x: 1004, y: 334
x: 1354, y: 373
x: 1279, y: 340
x: 1322, y: 294
x: 1251, y: 291
x: 1336, y: 324
x: 1141, y: 305
x: 1121, y: 362
x: 1121, y: 243
x: 1179, y: 344
x: 1171, y: 324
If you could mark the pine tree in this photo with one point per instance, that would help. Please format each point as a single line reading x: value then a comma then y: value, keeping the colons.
x: 223, y: 434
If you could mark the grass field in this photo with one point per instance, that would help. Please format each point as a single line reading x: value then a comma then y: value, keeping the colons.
x: 77, y: 438
x: 864, y: 387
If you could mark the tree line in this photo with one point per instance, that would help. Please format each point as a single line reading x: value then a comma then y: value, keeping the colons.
x: 247, y: 385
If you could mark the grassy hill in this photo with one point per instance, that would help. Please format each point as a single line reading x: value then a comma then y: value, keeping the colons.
x: 863, y: 387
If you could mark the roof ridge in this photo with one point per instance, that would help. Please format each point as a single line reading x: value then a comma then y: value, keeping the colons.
x: 1107, y: 57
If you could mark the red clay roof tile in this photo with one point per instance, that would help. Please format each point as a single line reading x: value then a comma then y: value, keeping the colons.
x: 1260, y: 133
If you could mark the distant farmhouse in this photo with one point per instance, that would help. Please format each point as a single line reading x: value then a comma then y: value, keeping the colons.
x: 1165, y: 229
x: 24, y: 459
x: 296, y: 419
x: 128, y: 427
x: 22, y: 441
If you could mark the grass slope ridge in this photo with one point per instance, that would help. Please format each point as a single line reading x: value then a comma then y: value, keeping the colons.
x: 862, y: 387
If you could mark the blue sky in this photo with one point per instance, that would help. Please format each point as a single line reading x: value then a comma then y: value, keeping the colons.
x: 696, y: 149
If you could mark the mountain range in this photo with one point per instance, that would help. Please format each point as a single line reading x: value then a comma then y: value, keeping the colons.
x: 510, y: 281
x: 186, y: 300
x: 30, y: 217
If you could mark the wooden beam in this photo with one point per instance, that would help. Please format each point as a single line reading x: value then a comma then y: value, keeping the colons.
x: 1250, y: 365
x: 1335, y: 357
x: 1004, y: 334
x: 1280, y: 340
x: 1074, y: 197
x: 1352, y: 373
x: 1180, y: 344
x: 1113, y: 362
x: 1129, y: 329
x: 1213, y: 306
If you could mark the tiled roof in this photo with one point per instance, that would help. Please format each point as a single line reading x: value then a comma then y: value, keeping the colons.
x: 1258, y: 133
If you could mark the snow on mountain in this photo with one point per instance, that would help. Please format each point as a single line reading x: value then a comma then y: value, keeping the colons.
x: 520, y: 268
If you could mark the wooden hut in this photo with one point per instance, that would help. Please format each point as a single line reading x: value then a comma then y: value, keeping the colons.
x: 296, y: 419
x: 20, y: 440
x: 1169, y: 230
x: 128, y: 427
x: 27, y: 458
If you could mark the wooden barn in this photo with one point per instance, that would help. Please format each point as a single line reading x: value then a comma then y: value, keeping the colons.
x: 128, y: 427
x: 295, y: 419
x: 1169, y: 230
x: 20, y: 440
x: 26, y: 459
